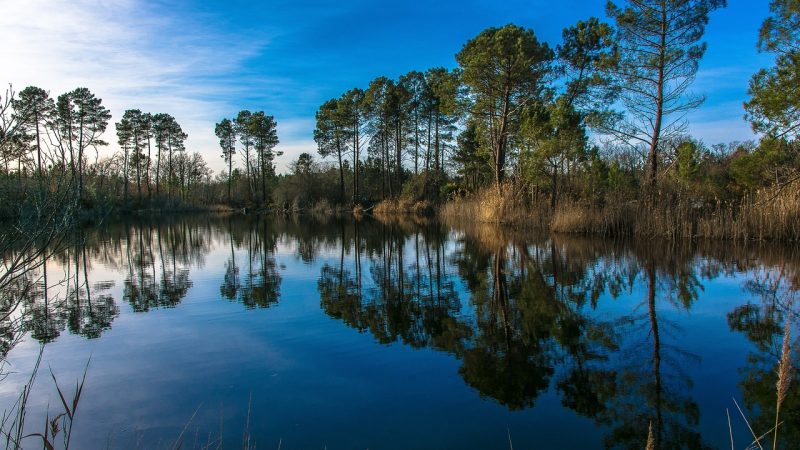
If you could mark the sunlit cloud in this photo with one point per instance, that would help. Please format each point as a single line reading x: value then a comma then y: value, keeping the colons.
x: 202, y: 62
x: 133, y: 55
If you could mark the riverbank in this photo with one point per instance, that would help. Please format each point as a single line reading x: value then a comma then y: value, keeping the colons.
x: 766, y: 215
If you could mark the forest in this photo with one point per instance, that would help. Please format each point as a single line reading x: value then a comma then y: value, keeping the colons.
x: 586, y: 135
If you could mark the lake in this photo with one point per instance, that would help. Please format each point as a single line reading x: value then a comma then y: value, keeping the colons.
x: 303, y: 332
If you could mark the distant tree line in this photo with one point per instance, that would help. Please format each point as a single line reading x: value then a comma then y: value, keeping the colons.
x: 51, y: 145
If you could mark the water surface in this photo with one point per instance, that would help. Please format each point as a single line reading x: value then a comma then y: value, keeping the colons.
x: 346, y: 334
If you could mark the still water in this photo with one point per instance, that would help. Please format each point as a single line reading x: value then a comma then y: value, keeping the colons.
x: 302, y: 333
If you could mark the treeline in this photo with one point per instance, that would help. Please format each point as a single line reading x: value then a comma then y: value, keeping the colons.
x: 598, y: 119
x: 50, y: 147
x: 591, y: 124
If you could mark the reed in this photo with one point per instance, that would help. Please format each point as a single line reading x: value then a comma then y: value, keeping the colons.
x: 12, y: 425
x: 506, y: 205
x: 767, y: 215
x: 651, y: 442
x: 784, y: 377
x: 612, y: 220
x: 403, y: 206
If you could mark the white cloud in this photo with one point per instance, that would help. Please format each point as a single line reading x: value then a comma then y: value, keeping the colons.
x: 135, y: 54
x: 292, y: 150
x: 720, y: 123
x: 130, y: 54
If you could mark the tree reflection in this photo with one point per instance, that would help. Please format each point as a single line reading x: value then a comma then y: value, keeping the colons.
x: 61, y: 294
x: 155, y: 280
x: 529, y: 322
x: 523, y: 315
x: 67, y: 299
x: 652, y: 387
x: 510, y: 359
x: 261, y: 286
x: 411, y: 302
x: 762, y: 323
x: 41, y: 317
x: 154, y: 256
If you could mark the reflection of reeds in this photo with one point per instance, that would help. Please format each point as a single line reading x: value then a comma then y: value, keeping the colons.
x: 488, y: 236
x: 322, y: 208
x: 651, y: 442
x: 408, y: 223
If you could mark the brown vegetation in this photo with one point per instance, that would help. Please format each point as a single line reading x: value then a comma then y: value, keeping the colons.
x: 768, y: 214
x: 403, y: 206
x: 505, y: 206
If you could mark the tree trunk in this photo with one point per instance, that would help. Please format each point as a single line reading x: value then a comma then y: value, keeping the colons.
x: 356, y: 151
x: 399, y: 156
x: 428, y: 148
x: 250, y: 187
x: 500, y: 144
x: 80, y: 161
x: 38, y: 145
x: 341, y: 169
x: 158, y: 168
x: 416, y: 143
x: 554, y: 197
x: 169, y: 165
x: 438, y: 163
x: 147, y: 170
x: 125, y: 173
x: 652, y: 156
x: 263, y: 179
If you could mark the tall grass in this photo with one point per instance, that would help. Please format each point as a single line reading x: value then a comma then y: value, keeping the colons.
x: 768, y: 214
x: 507, y: 205
x: 12, y: 424
x: 403, y: 206
x: 784, y: 377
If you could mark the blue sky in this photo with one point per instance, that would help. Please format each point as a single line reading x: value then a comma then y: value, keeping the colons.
x: 202, y: 61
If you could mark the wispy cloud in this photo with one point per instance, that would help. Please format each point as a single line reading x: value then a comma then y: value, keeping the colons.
x: 132, y: 54
x: 204, y: 61
x: 720, y: 123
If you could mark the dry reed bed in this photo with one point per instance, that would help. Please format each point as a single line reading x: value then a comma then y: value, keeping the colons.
x: 403, y: 206
x: 769, y: 214
x: 500, y: 207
